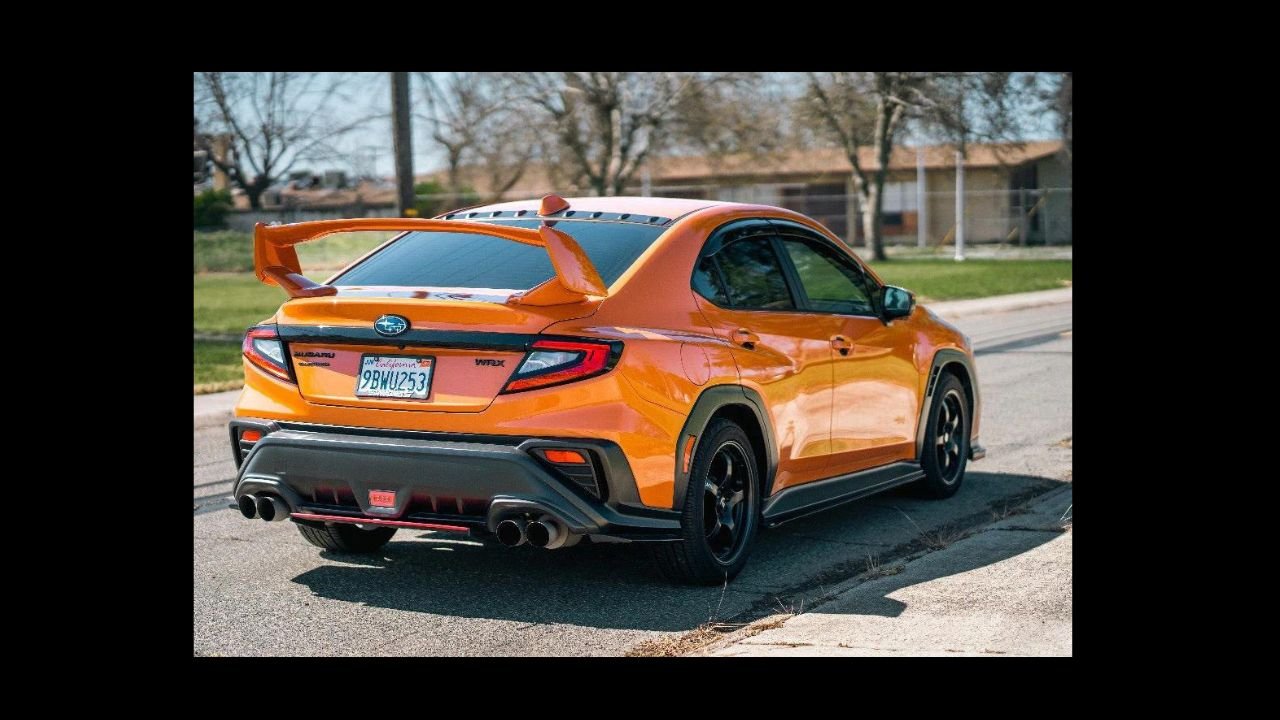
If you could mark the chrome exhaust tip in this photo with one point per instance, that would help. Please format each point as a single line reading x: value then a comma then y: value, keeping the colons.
x: 248, y: 505
x: 549, y: 534
x: 511, y: 532
x: 272, y: 509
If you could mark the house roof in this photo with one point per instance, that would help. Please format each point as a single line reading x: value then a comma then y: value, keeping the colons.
x: 821, y: 161
x: 692, y: 170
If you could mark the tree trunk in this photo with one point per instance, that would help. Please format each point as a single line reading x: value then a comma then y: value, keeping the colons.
x: 872, y: 224
x: 254, y: 193
x: 455, y: 170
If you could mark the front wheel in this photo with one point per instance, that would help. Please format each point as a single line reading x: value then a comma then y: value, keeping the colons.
x: 721, y: 510
x: 945, y: 452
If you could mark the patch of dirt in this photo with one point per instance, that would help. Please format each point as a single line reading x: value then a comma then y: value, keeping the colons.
x: 704, y: 635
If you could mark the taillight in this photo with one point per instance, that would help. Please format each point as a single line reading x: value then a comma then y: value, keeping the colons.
x: 263, y: 348
x: 553, y: 362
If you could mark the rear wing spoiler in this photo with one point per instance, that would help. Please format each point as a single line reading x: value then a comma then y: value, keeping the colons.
x: 275, y: 261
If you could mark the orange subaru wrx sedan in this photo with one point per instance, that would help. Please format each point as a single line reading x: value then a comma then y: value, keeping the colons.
x: 679, y: 373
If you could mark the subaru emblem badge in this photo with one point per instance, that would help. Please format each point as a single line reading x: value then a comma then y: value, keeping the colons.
x: 390, y: 325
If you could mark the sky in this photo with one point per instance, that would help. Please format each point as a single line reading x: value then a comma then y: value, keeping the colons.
x: 369, y: 147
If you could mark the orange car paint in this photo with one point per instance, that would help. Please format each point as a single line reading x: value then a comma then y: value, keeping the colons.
x: 831, y: 413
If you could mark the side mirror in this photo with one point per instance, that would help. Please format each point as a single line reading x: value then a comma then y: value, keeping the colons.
x: 897, y: 302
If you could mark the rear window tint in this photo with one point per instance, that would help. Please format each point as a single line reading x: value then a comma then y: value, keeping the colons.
x: 444, y: 259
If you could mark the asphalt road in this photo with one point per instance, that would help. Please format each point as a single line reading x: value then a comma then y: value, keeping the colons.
x: 260, y: 589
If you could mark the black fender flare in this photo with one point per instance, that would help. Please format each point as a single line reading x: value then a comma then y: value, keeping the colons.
x: 708, y: 403
x: 941, y: 359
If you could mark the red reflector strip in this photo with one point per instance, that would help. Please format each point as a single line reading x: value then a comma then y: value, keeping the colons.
x: 382, y: 498
x: 377, y: 521
x: 251, y: 435
x: 572, y: 457
x: 688, y: 452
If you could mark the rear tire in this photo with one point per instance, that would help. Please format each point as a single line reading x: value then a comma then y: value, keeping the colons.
x: 945, y: 452
x: 346, y: 538
x: 721, y: 510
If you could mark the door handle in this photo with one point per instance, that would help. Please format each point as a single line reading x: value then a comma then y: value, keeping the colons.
x: 746, y: 338
x: 841, y: 343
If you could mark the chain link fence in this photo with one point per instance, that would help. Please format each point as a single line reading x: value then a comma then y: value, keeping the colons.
x: 1021, y: 217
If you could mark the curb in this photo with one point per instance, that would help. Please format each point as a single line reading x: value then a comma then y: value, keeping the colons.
x: 215, y: 404
x: 1031, y: 507
x: 952, y: 309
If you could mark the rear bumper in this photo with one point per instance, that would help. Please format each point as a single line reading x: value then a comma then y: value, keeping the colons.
x: 326, y: 473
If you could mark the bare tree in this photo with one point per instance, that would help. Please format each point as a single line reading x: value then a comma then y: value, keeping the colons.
x: 479, y: 127
x: 732, y: 114
x: 860, y: 110
x: 1055, y: 97
x: 606, y: 124
x: 275, y: 120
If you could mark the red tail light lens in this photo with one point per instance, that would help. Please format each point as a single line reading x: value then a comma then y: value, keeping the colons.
x: 263, y: 348
x: 554, y: 362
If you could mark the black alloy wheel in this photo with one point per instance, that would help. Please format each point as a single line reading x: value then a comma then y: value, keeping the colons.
x: 723, y: 509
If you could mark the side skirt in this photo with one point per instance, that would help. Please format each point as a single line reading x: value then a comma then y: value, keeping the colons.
x: 801, y: 500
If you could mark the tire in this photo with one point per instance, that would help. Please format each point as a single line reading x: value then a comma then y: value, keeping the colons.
x: 346, y: 538
x: 725, y: 464
x: 945, y: 452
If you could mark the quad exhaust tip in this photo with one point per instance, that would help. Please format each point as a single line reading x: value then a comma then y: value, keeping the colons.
x: 512, y: 532
x: 248, y: 506
x: 271, y: 508
x: 548, y: 533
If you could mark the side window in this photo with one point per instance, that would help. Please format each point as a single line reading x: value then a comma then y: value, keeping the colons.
x: 706, y: 281
x: 832, y: 283
x: 753, y: 275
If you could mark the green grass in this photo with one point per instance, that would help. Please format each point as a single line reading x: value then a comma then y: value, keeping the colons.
x: 224, y: 251
x: 227, y: 303
x: 951, y: 280
x: 217, y: 362
x: 232, y: 251
x: 336, y: 251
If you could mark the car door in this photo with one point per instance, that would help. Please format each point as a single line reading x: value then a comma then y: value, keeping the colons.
x: 743, y: 289
x: 875, y: 406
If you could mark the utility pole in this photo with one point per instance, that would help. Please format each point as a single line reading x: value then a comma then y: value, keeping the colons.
x: 402, y: 139
x: 922, y: 202
x: 959, y: 206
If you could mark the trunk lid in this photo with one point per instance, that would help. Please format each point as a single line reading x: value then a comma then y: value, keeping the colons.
x: 467, y: 341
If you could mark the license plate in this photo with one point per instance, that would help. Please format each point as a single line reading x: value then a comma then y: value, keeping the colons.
x: 382, y: 498
x: 394, y: 376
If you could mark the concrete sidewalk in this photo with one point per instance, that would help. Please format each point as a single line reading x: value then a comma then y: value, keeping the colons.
x: 215, y: 404
x: 952, y: 309
x: 1004, y: 590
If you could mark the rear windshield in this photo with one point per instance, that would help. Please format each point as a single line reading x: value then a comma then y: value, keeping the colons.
x: 444, y: 259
